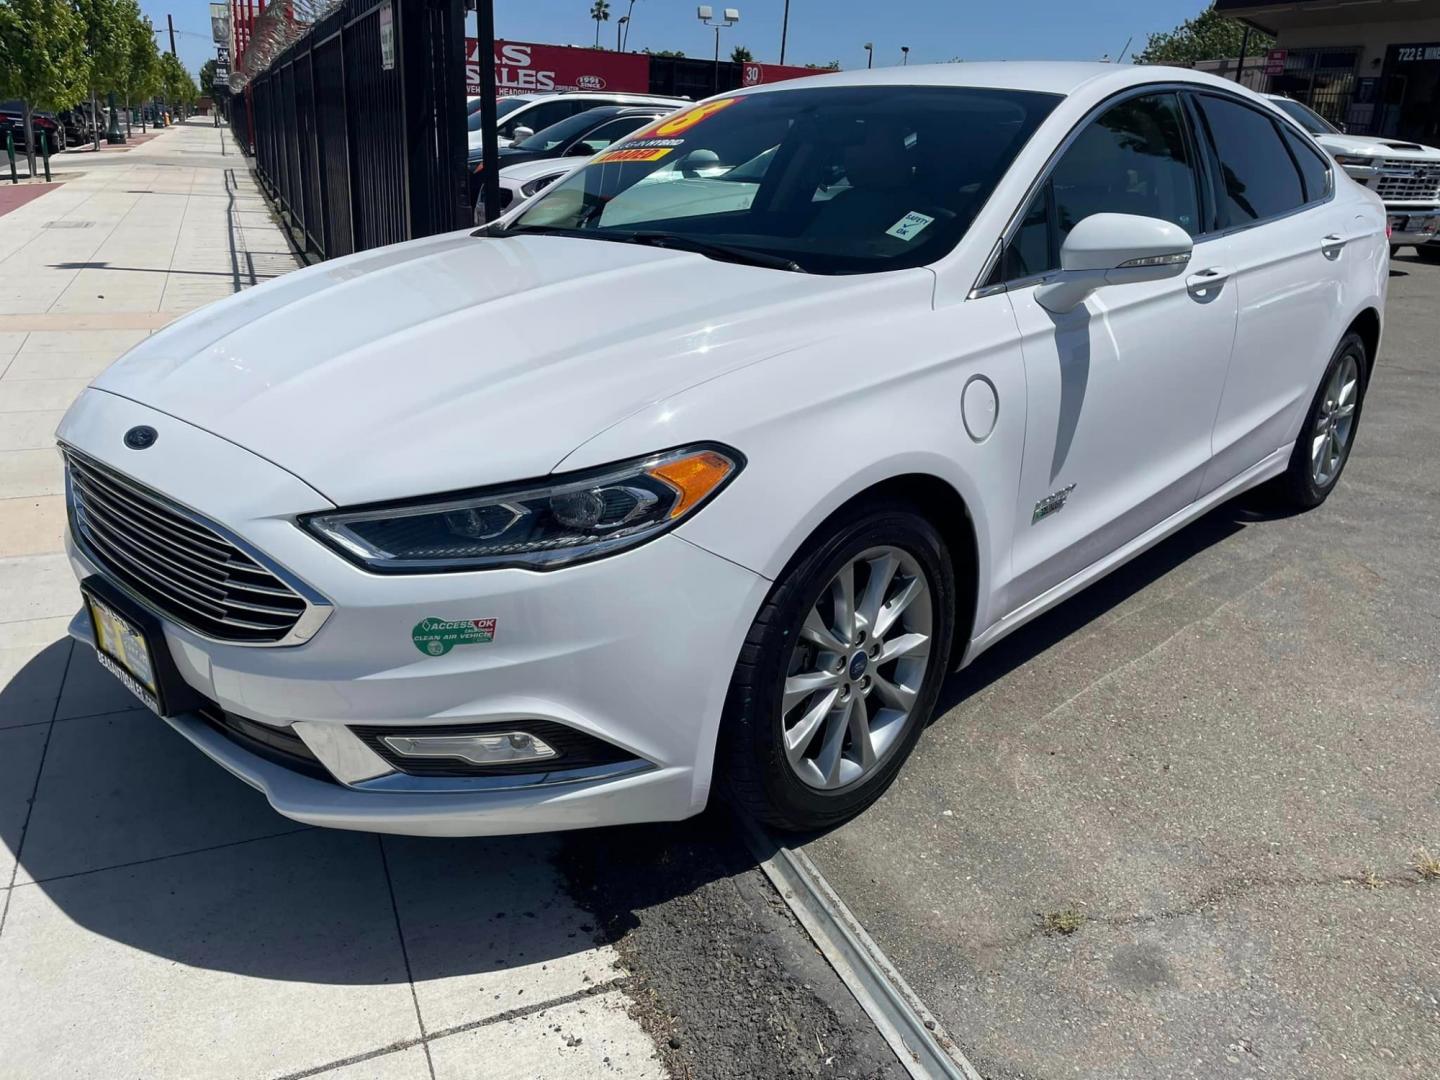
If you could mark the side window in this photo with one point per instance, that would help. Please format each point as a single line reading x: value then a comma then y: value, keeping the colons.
x: 606, y: 134
x: 1132, y: 159
x: 1314, y: 166
x: 1258, y: 178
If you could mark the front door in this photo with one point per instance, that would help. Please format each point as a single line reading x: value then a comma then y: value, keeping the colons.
x: 1122, y: 391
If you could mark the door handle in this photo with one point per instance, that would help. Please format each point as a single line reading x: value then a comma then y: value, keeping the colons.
x: 1332, y: 244
x: 1208, y: 281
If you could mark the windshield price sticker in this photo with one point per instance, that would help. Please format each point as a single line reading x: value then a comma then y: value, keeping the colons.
x: 909, y: 226
x: 685, y: 120
x: 632, y: 153
x: 436, y: 637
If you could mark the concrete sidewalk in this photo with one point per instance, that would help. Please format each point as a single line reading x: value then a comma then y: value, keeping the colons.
x: 157, y: 918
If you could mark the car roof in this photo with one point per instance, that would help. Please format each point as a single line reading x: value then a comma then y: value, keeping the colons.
x: 605, y: 95
x: 1062, y: 77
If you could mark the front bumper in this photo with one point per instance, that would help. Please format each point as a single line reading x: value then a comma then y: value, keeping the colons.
x: 635, y: 650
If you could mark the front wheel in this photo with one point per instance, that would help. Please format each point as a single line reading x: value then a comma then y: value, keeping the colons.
x: 1323, y: 447
x: 840, y: 671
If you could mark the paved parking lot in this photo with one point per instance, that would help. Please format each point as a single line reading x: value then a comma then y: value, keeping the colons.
x: 1172, y: 828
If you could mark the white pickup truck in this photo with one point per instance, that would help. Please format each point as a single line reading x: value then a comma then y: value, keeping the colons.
x: 1406, y: 175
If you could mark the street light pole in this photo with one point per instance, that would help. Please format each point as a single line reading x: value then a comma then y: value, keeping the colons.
x: 904, y: 55
x: 869, y: 54
x: 729, y: 17
x: 620, y: 25
x: 784, y: 29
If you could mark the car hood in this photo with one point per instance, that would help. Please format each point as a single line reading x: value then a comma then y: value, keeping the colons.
x: 1370, y: 144
x: 456, y: 362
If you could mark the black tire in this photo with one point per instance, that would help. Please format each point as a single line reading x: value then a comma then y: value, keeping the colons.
x: 750, y: 761
x: 1429, y: 253
x: 1297, y: 484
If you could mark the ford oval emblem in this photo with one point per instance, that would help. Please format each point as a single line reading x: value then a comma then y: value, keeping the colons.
x: 141, y: 438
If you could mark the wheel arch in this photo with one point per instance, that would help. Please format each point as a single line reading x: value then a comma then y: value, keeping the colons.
x: 1367, y: 325
x: 938, y: 501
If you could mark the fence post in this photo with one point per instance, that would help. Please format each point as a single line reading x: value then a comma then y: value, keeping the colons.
x: 10, y: 152
x: 45, y: 153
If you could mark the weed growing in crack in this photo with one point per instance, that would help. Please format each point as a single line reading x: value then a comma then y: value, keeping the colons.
x: 1426, y: 865
x: 1061, y: 922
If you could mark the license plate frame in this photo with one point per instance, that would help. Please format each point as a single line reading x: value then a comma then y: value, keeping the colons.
x: 130, y: 644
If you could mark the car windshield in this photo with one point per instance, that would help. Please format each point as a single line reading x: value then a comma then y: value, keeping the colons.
x: 503, y: 108
x: 563, y: 132
x: 836, y: 180
x: 1307, y: 118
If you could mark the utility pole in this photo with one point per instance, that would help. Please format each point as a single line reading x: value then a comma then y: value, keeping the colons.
x: 170, y: 22
x: 784, y: 30
x: 1240, y: 65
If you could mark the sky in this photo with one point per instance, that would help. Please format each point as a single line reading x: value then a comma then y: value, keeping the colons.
x: 820, y: 30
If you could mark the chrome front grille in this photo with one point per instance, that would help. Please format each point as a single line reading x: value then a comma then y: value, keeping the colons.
x: 181, y: 565
x: 1408, y: 181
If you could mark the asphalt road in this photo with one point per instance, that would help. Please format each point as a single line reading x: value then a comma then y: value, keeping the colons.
x: 1171, y: 828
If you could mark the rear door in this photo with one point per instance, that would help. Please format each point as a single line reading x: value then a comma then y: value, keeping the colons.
x: 1122, y: 391
x: 1284, y: 232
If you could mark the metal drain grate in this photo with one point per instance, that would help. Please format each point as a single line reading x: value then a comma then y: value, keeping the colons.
x: 67, y: 224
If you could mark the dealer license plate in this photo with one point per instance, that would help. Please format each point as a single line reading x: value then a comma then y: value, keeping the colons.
x: 123, y: 650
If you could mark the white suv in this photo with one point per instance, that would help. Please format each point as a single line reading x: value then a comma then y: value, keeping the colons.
x: 522, y: 115
x: 1406, y: 175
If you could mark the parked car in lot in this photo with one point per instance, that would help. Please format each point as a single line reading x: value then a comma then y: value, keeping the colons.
x: 638, y: 494
x: 582, y: 135
x: 518, y: 182
x: 521, y: 115
x: 1406, y: 175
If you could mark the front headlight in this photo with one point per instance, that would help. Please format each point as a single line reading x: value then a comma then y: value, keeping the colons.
x: 1364, y: 161
x: 539, y: 183
x: 562, y: 520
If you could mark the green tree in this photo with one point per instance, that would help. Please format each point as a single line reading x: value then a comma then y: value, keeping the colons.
x: 207, y: 78
x: 1208, y: 36
x: 668, y: 53
x: 142, y: 76
x: 107, y: 45
x: 600, y: 12
x: 833, y: 65
x: 42, y: 58
x: 741, y: 55
x: 176, y: 85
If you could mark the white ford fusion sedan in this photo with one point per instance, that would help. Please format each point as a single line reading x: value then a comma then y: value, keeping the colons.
x: 702, y: 468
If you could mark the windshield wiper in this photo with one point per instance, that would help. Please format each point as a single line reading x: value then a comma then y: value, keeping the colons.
x: 724, y: 252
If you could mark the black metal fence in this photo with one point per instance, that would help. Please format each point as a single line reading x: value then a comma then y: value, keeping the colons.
x: 358, y: 129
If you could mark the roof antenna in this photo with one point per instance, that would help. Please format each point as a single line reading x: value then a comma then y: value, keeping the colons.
x: 1125, y: 49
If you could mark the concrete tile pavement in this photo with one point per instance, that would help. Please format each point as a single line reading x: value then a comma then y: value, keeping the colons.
x: 156, y: 916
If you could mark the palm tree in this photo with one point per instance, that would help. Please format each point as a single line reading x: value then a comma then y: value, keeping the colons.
x: 600, y: 12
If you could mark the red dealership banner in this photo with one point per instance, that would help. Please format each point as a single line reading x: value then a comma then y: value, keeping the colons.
x: 755, y: 74
x: 522, y: 67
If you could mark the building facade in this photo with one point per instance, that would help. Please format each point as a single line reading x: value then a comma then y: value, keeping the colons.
x: 1371, y: 65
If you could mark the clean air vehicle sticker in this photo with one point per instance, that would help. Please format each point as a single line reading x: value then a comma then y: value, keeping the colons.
x: 436, y: 637
x: 909, y: 226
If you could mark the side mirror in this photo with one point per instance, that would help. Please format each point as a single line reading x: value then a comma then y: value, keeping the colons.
x: 1114, y: 249
x: 521, y: 133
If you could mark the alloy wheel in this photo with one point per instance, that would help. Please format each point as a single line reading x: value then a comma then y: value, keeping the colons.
x: 1334, y: 422
x: 857, y: 668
